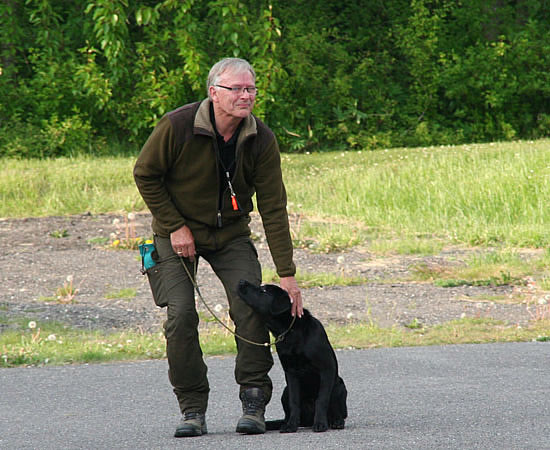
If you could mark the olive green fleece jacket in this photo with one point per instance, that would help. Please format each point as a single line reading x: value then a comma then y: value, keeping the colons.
x: 177, y: 175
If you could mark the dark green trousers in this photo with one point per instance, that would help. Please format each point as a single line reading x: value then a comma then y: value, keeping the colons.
x: 187, y: 369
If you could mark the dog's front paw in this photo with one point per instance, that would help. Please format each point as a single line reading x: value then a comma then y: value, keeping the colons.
x: 289, y: 427
x: 320, y: 427
x: 338, y: 424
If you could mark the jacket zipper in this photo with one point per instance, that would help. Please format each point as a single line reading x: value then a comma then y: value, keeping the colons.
x: 219, y: 222
x: 238, y: 151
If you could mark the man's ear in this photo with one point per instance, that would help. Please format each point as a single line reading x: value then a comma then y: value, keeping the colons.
x: 213, y: 94
x: 281, y: 303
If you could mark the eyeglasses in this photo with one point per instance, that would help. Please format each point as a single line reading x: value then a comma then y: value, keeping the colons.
x: 239, y: 90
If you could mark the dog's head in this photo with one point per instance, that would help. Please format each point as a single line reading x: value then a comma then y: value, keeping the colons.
x: 268, y: 300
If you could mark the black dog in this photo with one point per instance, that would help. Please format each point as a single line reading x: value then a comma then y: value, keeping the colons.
x: 315, y: 395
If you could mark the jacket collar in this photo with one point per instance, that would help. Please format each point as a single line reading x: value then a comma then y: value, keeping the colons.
x: 202, y: 124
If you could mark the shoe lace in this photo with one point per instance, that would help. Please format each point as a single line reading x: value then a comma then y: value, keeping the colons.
x: 192, y: 415
x: 253, y: 405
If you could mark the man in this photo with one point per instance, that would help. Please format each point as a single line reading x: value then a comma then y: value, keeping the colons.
x: 197, y: 173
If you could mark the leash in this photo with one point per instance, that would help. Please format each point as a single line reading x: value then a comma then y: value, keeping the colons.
x: 196, y: 286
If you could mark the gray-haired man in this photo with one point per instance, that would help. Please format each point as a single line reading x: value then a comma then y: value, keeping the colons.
x: 197, y: 173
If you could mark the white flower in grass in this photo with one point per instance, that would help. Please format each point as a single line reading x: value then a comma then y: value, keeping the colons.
x: 350, y: 315
x: 51, y: 337
x: 69, y: 278
x: 32, y: 325
x: 131, y: 216
x: 116, y: 221
x: 218, y: 308
x: 340, y: 259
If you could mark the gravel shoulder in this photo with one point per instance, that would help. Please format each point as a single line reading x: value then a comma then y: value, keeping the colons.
x: 40, y: 253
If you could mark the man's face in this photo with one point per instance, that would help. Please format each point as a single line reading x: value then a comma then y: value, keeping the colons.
x: 233, y: 104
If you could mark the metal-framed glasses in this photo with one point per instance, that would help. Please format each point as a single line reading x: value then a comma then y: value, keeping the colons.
x: 252, y: 90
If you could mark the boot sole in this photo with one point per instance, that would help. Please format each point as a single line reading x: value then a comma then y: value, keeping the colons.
x: 186, y: 434
x: 249, y: 427
x: 189, y: 433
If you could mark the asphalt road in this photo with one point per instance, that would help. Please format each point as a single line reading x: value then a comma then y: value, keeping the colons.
x: 465, y: 397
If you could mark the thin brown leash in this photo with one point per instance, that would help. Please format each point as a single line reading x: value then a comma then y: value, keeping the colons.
x: 196, y: 286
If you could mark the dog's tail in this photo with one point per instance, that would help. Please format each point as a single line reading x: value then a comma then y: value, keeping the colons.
x: 273, y: 424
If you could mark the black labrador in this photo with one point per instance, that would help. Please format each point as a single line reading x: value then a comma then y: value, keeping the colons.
x: 315, y: 395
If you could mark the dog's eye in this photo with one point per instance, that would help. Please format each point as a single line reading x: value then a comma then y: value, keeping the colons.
x: 262, y: 289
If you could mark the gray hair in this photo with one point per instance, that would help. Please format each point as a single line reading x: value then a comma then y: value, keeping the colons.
x: 236, y: 65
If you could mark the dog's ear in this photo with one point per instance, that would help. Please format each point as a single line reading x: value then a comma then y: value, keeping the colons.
x: 281, y: 302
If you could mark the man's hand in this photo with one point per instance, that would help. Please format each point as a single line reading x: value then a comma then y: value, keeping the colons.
x: 290, y: 285
x: 183, y: 243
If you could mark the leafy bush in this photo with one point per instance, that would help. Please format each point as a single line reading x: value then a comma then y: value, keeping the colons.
x: 331, y: 75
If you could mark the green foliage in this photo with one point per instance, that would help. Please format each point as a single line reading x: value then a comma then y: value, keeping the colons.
x: 359, y: 75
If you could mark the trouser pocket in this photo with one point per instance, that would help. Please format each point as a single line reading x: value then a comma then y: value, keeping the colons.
x: 157, y: 286
x: 152, y: 266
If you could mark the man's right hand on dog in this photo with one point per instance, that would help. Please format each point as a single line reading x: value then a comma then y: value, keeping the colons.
x: 290, y: 285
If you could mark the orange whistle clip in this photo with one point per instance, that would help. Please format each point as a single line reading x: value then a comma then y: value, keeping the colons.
x: 234, y: 203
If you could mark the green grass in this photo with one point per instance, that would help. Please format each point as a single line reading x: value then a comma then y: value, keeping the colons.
x: 496, y: 267
x: 127, y: 293
x: 474, y: 194
x: 316, y: 279
x: 471, y: 194
x: 67, y: 186
x: 463, y: 331
x: 55, y: 344
x: 407, y: 246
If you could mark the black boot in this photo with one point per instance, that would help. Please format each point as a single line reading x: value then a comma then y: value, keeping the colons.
x: 252, y: 421
x: 192, y: 424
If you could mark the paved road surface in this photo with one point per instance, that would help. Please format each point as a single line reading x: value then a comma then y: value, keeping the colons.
x: 469, y: 396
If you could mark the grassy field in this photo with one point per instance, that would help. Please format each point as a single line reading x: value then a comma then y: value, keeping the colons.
x: 492, y: 196
x: 472, y: 194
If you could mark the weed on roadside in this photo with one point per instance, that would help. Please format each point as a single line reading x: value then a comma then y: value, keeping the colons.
x: 58, y: 234
x: 125, y: 237
x: 27, y: 343
x: 46, y: 342
x: 461, y: 331
x: 67, y: 292
x: 99, y: 240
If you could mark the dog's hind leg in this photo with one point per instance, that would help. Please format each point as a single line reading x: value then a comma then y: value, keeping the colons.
x: 338, y: 411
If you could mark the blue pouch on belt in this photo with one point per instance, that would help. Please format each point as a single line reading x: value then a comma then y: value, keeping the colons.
x: 151, y: 265
x: 146, y: 252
